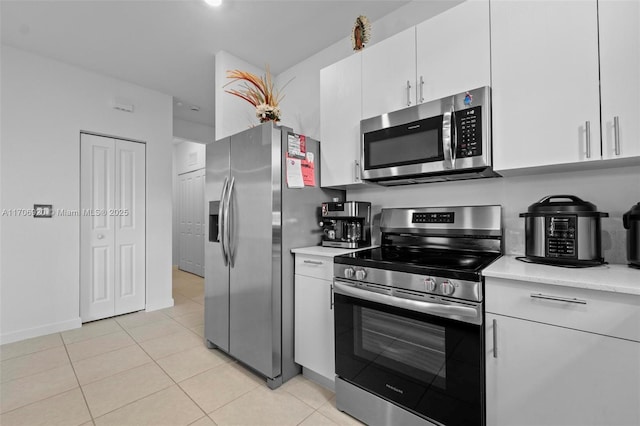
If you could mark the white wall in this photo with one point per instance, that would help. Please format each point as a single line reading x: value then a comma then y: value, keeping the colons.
x: 45, y: 105
x: 187, y: 157
x: 613, y: 191
x: 191, y: 131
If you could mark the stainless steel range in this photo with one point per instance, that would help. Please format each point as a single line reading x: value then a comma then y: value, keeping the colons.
x: 409, y: 317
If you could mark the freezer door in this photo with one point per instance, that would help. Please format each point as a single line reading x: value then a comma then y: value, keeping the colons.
x: 216, y: 271
x: 255, y: 249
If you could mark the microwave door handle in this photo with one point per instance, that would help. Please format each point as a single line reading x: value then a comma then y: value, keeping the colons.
x: 454, y: 138
x: 446, y: 139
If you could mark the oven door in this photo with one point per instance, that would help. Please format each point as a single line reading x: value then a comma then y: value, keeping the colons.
x: 429, y: 365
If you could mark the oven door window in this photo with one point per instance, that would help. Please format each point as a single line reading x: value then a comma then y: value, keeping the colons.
x: 426, y: 364
x: 412, y: 143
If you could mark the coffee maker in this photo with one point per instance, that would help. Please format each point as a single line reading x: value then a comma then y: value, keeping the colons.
x: 346, y: 224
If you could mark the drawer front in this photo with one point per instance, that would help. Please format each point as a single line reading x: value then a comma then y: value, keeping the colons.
x: 602, y: 312
x: 314, y: 266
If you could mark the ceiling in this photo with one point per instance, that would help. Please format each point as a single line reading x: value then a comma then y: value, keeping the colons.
x: 169, y: 45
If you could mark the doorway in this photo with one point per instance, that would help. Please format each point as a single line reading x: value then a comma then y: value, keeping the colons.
x: 191, y: 221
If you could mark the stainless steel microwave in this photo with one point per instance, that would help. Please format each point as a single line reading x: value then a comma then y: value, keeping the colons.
x: 441, y: 140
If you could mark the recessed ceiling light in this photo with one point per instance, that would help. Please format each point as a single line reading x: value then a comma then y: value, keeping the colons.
x: 213, y: 2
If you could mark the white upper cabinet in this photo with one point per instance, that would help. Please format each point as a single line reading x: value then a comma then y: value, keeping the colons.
x: 340, y: 114
x: 445, y: 55
x: 453, y: 51
x: 546, y: 106
x: 389, y: 74
x: 620, y: 77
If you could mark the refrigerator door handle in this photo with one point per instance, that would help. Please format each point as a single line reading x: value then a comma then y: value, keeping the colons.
x: 228, y: 223
x: 221, y: 223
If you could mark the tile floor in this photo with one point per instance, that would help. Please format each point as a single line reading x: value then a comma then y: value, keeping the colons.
x: 148, y: 368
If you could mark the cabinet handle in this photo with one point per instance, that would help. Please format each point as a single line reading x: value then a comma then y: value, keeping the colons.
x: 421, y: 89
x: 408, y: 93
x: 587, y: 127
x: 558, y: 298
x: 616, y: 133
x: 313, y: 262
x: 495, y: 338
x: 357, y: 170
x: 331, y: 297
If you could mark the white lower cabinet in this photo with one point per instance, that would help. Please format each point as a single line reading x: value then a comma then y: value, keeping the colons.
x: 539, y: 373
x: 314, y: 334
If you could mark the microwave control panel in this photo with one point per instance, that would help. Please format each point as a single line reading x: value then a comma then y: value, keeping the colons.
x: 469, y: 130
x: 561, y: 236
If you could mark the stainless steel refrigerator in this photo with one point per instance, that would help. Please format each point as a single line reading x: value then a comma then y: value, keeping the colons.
x: 255, y: 219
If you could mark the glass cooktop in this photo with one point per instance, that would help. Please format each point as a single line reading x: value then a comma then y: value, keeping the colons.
x: 455, y: 264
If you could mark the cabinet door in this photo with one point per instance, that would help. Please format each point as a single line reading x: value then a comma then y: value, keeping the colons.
x: 389, y: 74
x: 453, y: 51
x: 340, y: 114
x: 620, y: 77
x: 314, y: 343
x: 544, y: 59
x: 540, y: 374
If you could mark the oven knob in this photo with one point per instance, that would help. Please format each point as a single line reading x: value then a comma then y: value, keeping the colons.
x: 447, y: 288
x: 348, y: 273
x: 361, y: 274
x: 430, y: 284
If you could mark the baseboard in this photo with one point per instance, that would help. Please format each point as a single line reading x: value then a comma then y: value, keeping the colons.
x: 162, y: 305
x: 319, y: 379
x: 28, y: 333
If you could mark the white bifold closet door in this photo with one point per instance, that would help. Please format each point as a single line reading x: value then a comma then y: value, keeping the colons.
x: 191, y: 221
x: 112, y: 227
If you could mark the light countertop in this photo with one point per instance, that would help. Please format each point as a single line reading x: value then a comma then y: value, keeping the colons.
x: 613, y: 278
x: 326, y: 251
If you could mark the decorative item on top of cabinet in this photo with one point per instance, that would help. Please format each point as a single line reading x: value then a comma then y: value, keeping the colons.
x: 552, y: 72
x: 259, y: 92
x: 361, y: 33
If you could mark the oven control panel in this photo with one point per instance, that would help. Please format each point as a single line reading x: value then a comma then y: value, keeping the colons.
x: 409, y: 285
x: 439, y: 217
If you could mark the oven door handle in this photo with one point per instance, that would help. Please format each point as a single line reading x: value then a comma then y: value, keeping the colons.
x: 468, y: 314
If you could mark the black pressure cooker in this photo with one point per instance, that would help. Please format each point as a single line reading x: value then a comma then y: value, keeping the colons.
x: 631, y: 221
x: 563, y: 230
